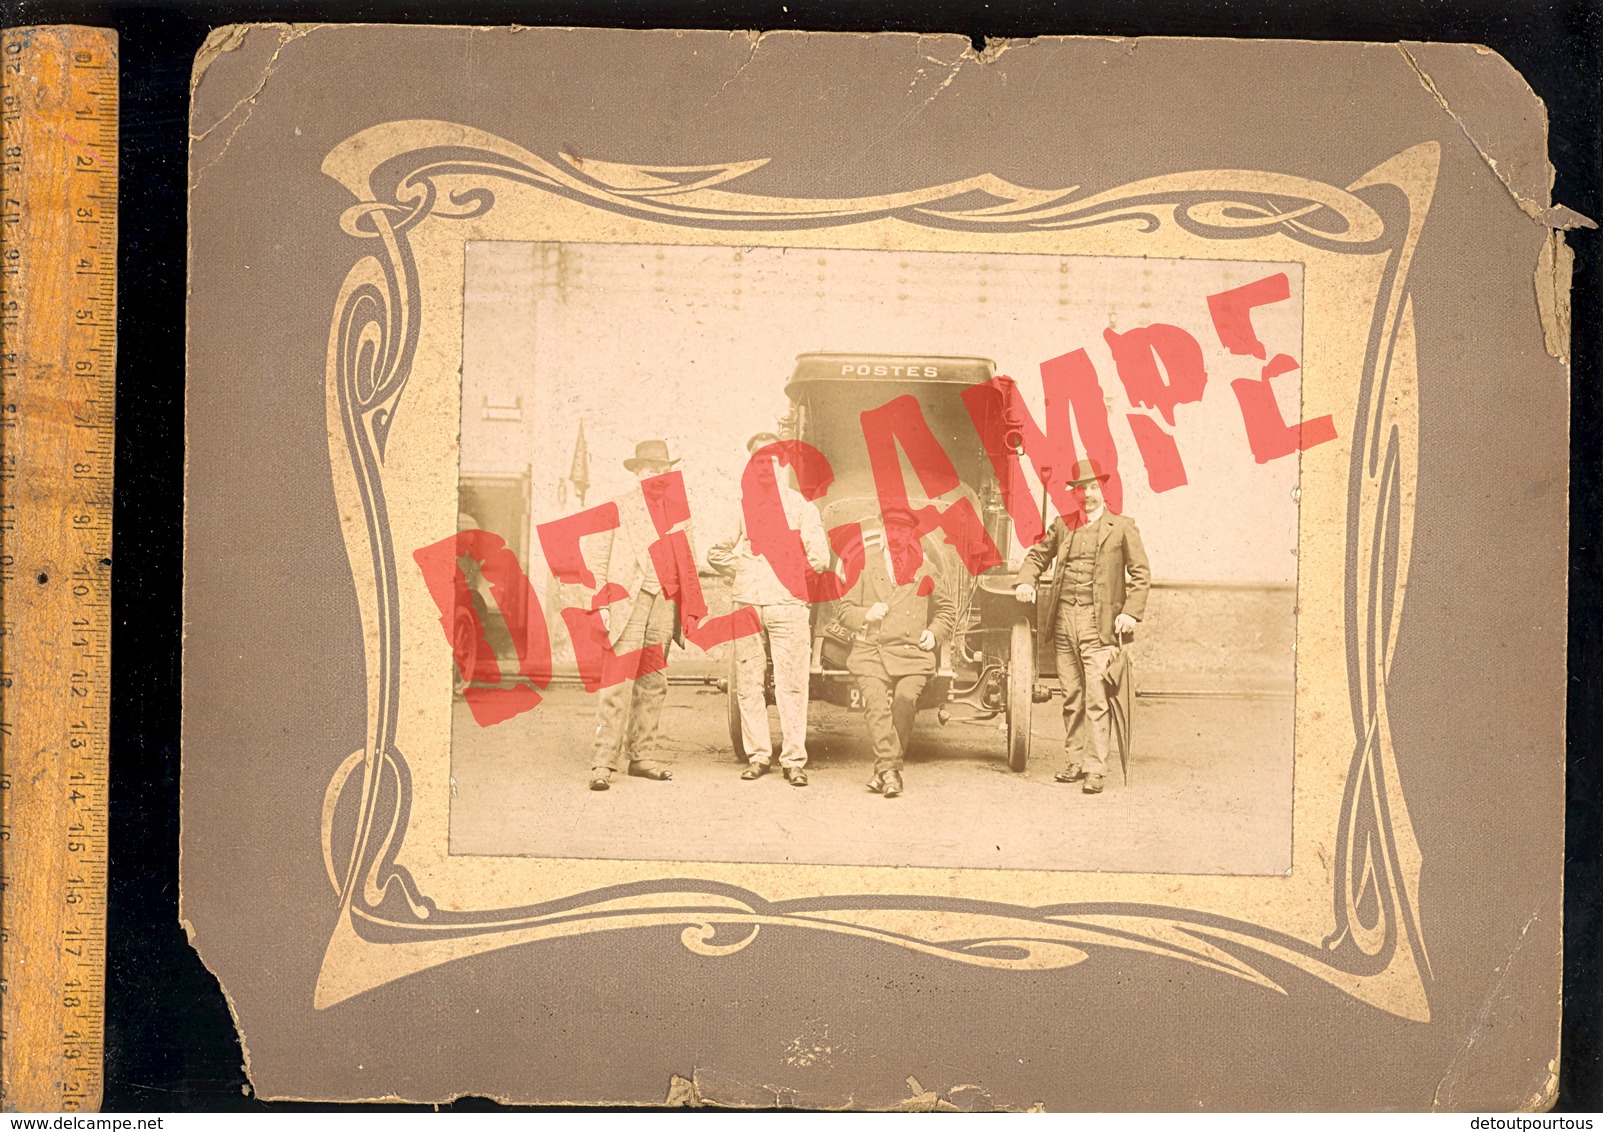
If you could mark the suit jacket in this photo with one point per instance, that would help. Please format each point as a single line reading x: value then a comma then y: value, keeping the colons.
x: 1119, y: 580
x: 894, y: 651
x: 623, y: 556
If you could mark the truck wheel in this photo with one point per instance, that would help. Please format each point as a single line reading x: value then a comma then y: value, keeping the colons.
x: 1020, y: 682
x: 464, y: 629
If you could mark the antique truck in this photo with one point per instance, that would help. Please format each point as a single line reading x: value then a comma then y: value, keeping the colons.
x: 989, y: 668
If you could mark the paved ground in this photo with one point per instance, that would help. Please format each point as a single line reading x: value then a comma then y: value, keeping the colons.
x: 1210, y: 792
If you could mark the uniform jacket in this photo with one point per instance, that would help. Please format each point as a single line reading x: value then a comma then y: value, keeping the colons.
x: 1119, y: 580
x: 623, y: 556
x: 894, y: 651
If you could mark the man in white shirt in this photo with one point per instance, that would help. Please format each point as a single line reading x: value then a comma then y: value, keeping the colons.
x: 786, y: 631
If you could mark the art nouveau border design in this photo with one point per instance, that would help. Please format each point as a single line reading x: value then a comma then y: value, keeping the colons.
x: 387, y: 927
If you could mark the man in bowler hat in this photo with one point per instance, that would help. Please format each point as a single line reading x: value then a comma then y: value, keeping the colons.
x: 898, y: 630
x: 1098, y: 589
x: 628, y: 713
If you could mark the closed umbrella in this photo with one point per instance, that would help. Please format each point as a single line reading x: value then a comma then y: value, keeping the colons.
x: 1120, y: 680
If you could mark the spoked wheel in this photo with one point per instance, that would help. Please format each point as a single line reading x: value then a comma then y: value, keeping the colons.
x: 464, y: 630
x: 732, y: 706
x: 1020, y: 683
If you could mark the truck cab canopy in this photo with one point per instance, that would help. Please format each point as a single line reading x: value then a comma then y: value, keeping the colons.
x: 831, y: 391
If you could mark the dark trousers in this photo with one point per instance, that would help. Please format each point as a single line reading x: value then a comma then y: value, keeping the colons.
x: 1082, y: 667
x: 889, y: 704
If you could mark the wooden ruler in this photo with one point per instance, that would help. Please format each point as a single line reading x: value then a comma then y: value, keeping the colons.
x: 58, y: 321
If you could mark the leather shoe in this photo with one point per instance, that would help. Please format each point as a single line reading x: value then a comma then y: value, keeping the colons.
x: 1093, y: 784
x: 877, y: 783
x: 754, y: 771
x: 893, y: 785
x: 1072, y: 773
x: 796, y: 776
x: 600, y: 778
x: 645, y: 768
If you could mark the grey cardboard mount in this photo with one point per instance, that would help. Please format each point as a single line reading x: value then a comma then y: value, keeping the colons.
x: 1410, y: 958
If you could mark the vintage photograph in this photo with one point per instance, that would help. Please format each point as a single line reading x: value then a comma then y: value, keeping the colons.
x: 959, y: 560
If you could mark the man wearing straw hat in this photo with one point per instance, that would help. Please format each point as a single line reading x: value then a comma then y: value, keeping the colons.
x: 628, y: 713
x: 1099, y: 581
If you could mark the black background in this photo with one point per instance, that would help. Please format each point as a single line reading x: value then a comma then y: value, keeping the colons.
x: 170, y: 1043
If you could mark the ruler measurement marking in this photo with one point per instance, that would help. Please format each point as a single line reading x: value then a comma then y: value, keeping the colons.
x: 58, y: 306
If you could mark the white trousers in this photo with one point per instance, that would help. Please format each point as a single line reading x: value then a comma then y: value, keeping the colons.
x: 787, y: 629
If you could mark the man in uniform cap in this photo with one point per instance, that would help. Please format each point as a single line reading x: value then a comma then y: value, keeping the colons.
x: 1101, y: 577
x: 898, y: 631
x: 786, y: 630
x: 628, y: 713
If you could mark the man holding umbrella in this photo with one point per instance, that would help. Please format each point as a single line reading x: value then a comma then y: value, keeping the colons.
x: 1099, y: 583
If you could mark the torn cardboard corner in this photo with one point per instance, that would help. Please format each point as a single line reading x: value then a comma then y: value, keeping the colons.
x: 233, y: 39
x: 1498, y: 113
x: 1457, y: 1088
x: 218, y: 41
x: 238, y: 60
x: 1504, y: 120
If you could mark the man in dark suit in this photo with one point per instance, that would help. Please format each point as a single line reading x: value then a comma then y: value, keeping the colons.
x: 898, y: 630
x: 1098, y: 592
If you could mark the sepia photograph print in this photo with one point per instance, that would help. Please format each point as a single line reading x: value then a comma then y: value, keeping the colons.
x: 861, y: 557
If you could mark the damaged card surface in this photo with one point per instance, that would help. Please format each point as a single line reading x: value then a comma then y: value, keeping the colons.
x: 847, y: 572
